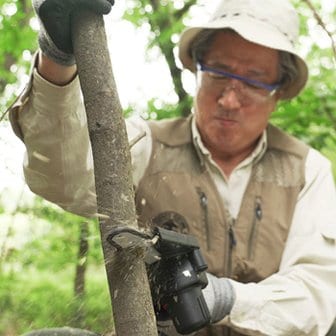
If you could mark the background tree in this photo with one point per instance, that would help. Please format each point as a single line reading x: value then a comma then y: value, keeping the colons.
x: 165, y: 19
x: 81, y: 267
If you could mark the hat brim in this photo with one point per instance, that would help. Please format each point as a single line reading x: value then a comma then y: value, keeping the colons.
x: 255, y: 32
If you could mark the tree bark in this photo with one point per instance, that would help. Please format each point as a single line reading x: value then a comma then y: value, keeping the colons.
x: 127, y: 277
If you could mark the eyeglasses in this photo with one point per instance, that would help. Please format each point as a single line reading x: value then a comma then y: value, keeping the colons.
x: 250, y: 90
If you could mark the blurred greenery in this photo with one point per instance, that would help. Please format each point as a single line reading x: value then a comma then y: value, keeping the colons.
x: 38, y: 298
x: 37, y: 275
x: 37, y: 279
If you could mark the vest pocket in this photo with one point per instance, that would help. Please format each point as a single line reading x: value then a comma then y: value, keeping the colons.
x: 257, y: 216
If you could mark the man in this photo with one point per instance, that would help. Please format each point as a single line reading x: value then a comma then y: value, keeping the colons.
x: 261, y: 203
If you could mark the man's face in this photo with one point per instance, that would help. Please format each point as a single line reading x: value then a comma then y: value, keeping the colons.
x: 229, y: 119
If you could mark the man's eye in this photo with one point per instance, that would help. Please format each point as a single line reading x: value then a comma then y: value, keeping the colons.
x: 253, y: 86
x: 217, y: 76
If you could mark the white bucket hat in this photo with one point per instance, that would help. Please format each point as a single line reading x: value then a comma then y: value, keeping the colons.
x: 270, y: 23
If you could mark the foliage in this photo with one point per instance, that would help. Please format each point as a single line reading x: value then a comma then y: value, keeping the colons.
x: 35, y: 299
x: 158, y: 110
x: 312, y: 115
x: 64, y: 232
x: 17, y: 42
x: 37, y: 279
x: 165, y: 19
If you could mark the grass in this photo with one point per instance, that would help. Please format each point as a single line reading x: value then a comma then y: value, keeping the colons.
x: 34, y: 299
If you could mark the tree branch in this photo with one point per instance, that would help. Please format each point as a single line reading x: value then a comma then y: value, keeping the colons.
x: 162, y: 24
x: 180, y: 13
x: 322, y: 24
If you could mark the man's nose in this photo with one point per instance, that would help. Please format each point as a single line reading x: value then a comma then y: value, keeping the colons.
x: 229, y: 98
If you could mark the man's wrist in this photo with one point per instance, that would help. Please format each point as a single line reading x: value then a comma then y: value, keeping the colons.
x: 50, y: 50
x: 54, y: 72
x: 219, y: 296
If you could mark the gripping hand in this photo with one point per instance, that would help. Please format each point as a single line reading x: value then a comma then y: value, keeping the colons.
x: 55, y: 20
x: 219, y: 296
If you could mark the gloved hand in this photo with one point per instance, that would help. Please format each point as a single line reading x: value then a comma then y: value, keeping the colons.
x: 219, y: 296
x: 55, y: 21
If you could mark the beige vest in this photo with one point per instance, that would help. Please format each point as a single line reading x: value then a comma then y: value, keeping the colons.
x: 178, y: 193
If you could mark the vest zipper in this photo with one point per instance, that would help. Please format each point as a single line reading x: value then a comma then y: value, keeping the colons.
x: 232, y: 243
x: 204, y: 206
x: 257, y: 216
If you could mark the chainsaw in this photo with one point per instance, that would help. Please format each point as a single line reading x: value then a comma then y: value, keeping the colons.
x: 176, y: 273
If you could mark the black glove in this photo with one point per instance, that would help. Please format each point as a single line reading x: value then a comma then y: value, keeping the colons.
x: 55, y: 16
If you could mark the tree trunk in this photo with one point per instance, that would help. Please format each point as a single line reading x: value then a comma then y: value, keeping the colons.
x: 128, y: 283
x: 79, y: 284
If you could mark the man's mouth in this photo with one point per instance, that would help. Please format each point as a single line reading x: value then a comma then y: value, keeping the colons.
x: 226, y: 121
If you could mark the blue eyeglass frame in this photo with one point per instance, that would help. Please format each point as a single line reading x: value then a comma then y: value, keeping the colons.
x: 268, y: 87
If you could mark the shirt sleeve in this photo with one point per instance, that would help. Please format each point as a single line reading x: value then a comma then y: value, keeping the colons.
x: 301, y: 298
x: 58, y: 163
